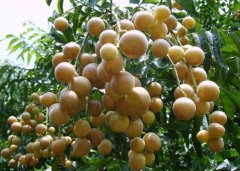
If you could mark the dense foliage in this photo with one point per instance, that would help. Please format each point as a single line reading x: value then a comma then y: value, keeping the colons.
x: 216, y: 32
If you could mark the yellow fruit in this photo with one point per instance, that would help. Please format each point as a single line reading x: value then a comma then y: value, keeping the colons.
x: 108, y: 51
x: 137, y: 82
x: 61, y: 24
x: 182, y: 70
x: 81, y: 147
x: 122, y: 83
x: 35, y: 97
x: 156, y: 105
x: 159, y: 30
x: 45, y: 141
x: 126, y: 25
x: 176, y: 5
x: 211, y: 106
x: 171, y: 23
x: 137, y: 144
x: 95, y: 26
x: 102, y: 74
x: 202, y: 107
x: 160, y: 48
x: 95, y: 136
x: 81, y: 128
x: 188, y: 22
x: 87, y: 58
x: 105, y: 147
x: 208, y: 90
x: 13, y: 163
x: 22, y: 160
x: 194, y: 56
x: 184, y: 90
x: 111, y: 93
x: 154, y: 89
x: 203, y: 136
x: 71, y: 50
x: 182, y: 31
x: 176, y: 53
x: 64, y: 72
x: 6, y: 153
x: 215, y: 130
x: 108, y: 102
x: 199, y: 75
x: 48, y: 99
x: 68, y: 99
x: 98, y: 120
x: 11, y: 119
x: 137, y: 161
x: 135, y: 128
x: 90, y: 72
x: 94, y: 108
x: 41, y: 129
x: 148, y: 117
x: 118, y: 123
x: 143, y: 20
x: 184, y: 40
x: 26, y: 117
x: 16, y: 127
x: 218, y: 117
x: 108, y: 36
x: 68, y: 164
x: 114, y: 66
x: 184, y: 108
x: 26, y: 129
x: 58, y: 58
x: 81, y: 86
x: 162, y: 13
x: 216, y: 145
x: 58, y: 116
x: 133, y: 44
x: 58, y: 146
x: 150, y: 158
x: 152, y: 142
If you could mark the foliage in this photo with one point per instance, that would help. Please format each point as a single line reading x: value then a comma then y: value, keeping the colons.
x: 216, y: 33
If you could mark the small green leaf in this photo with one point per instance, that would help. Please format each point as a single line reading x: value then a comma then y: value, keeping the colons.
x: 49, y: 2
x: 236, y: 39
x: 134, y: 1
x: 76, y: 19
x: 189, y: 6
x: 228, y: 105
x: 60, y: 6
x: 176, y: 125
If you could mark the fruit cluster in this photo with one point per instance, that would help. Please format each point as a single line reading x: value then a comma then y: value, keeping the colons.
x: 126, y: 106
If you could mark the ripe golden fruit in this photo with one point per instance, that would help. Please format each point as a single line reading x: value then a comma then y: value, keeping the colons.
x: 36, y: 146
x: 98, y: 120
x: 184, y: 40
x: 26, y: 129
x: 6, y: 153
x: 108, y: 102
x: 218, y: 117
x: 114, y: 66
x: 61, y: 24
x: 81, y: 128
x: 16, y: 127
x: 182, y: 31
x: 71, y: 50
x: 199, y: 75
x: 176, y: 5
x: 133, y: 44
x: 118, y: 123
x: 90, y: 72
x: 176, y: 53
x: 48, y: 99
x: 148, y: 117
x: 58, y: 146
x: 108, y: 51
x: 203, y: 136
x: 188, y: 22
x: 35, y: 97
x: 160, y: 48
x: 94, y: 108
x: 98, y: 46
x: 102, y: 74
x: 68, y: 99
x: 41, y: 129
x: 154, y: 89
x: 184, y: 90
x: 81, y: 86
x: 126, y: 25
x: 216, y: 145
x: 81, y: 147
x: 87, y: 58
x: 215, y: 130
x: 58, y: 58
x: 135, y: 128
x: 182, y: 70
x: 95, y: 136
x: 122, y: 83
x: 123, y: 107
x: 108, y: 36
x: 26, y: 117
x: 64, y: 72
x: 194, y: 56
x: 139, y: 98
x: 143, y: 20
x: 15, y: 140
x: 39, y: 117
x: 22, y: 160
x: 51, y: 130
x: 110, y: 92
x: 137, y: 82
x: 152, y: 142
x: 95, y: 26
x: 208, y: 90
x: 137, y: 161
x: 159, y: 30
x: 162, y: 13
x: 11, y: 119
x: 150, y: 158
x: 58, y: 116
x: 12, y: 163
x: 202, y: 107
x: 45, y: 141
x: 171, y: 23
x: 68, y: 164
x: 105, y: 147
x: 137, y: 144
x: 211, y: 106
x: 184, y: 108
x: 156, y: 105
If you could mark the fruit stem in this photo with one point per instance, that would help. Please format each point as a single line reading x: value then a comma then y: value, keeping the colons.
x: 47, y: 118
x: 176, y: 39
x: 192, y: 77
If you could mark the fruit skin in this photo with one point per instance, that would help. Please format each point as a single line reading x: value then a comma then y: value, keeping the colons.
x: 215, y: 130
x: 171, y: 23
x: 216, y: 145
x: 182, y: 70
x: 208, y: 90
x: 137, y: 144
x: 156, y: 105
x: 81, y: 128
x: 48, y: 99
x: 58, y: 146
x: 176, y: 53
x: 95, y: 26
x: 160, y: 48
x: 81, y: 147
x: 126, y: 25
x: 162, y: 13
x: 152, y: 142
x: 194, y: 56
x: 159, y: 30
x: 137, y: 161
x: 184, y: 90
x: 150, y: 158
x: 143, y: 20
x: 108, y: 36
x: 105, y: 147
x: 133, y: 44
x: 154, y: 89
x: 87, y: 58
x: 81, y: 86
x: 108, y: 51
x: 218, y: 117
x: 61, y: 24
x: 64, y: 72
x: 202, y: 107
x: 57, y: 116
x: 95, y: 136
x: 148, y: 117
x: 188, y: 22
x: 184, y: 108
x: 202, y: 136
x: 135, y: 128
x: 71, y: 50
x: 118, y: 123
x: 58, y: 58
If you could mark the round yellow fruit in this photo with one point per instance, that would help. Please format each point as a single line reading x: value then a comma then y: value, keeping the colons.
x: 218, y: 117
x: 184, y: 108
x: 203, y: 136
x: 215, y: 130
x: 152, y: 142
x: 105, y: 147
x: 108, y: 51
x: 64, y: 72
x: 162, y: 13
x: 95, y: 26
x: 208, y: 90
x: 71, y: 50
x: 176, y: 53
x: 61, y: 23
x: 194, y: 56
x: 188, y: 22
x: 160, y: 48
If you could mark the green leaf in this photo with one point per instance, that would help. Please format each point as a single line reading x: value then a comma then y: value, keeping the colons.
x: 189, y: 6
x: 93, y: 3
x: 217, y: 49
x: 76, y: 19
x: 236, y: 39
x: 60, y: 7
x: 134, y: 1
x: 151, y: 1
x: 12, y: 42
x: 228, y: 105
x: 49, y: 2
x: 176, y: 125
x: 234, y: 96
